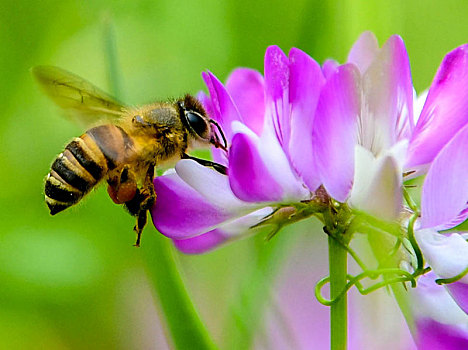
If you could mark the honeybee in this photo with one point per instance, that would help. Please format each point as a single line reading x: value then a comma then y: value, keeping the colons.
x: 126, y: 148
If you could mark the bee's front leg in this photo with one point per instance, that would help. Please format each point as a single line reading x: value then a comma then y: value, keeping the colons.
x: 218, y: 167
x: 142, y: 202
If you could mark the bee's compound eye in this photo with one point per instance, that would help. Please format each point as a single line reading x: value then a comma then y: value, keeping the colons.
x: 138, y: 119
x: 197, y: 123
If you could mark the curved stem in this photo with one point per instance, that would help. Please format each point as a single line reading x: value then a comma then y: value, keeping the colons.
x: 412, y: 239
x: 456, y: 278
x: 413, y: 206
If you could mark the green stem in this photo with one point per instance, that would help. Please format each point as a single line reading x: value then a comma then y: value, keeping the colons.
x: 183, y: 321
x: 110, y: 50
x: 337, y: 260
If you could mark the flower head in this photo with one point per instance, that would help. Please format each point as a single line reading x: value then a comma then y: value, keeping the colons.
x: 267, y: 122
x: 364, y: 132
x: 363, y: 121
x: 350, y: 128
x: 334, y: 141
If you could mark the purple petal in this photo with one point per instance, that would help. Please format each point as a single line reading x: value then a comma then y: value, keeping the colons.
x: 259, y: 165
x: 235, y: 229
x: 364, y: 51
x: 439, y: 322
x: 305, y: 83
x: 335, y: 131
x: 219, y: 156
x: 249, y: 177
x: 445, y: 111
x: 388, y: 91
x: 181, y: 212
x: 246, y: 88
x: 277, y: 93
x: 445, y: 189
x: 329, y: 67
x: 459, y: 293
x: 224, y: 109
x: 202, y: 243
x: 435, y: 335
x: 207, y: 104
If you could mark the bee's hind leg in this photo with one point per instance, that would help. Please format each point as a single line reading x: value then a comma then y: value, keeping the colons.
x: 122, y: 186
x: 140, y: 224
x: 141, y: 203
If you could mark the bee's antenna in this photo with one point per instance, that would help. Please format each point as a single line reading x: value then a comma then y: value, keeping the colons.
x: 217, y: 144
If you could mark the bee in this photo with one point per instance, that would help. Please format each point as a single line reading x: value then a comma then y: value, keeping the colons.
x: 126, y: 148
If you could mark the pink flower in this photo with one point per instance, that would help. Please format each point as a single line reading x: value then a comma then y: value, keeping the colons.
x: 268, y: 123
x: 350, y: 128
x: 362, y: 127
x: 364, y: 133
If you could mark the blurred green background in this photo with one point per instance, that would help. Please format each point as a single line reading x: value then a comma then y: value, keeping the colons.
x: 74, y: 281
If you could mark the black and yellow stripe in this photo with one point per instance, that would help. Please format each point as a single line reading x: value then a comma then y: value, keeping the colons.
x: 85, y: 161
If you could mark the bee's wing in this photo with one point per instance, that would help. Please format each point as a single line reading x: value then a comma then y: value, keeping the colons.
x: 79, y: 98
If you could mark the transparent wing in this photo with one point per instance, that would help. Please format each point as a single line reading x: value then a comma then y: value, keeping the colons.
x: 76, y: 96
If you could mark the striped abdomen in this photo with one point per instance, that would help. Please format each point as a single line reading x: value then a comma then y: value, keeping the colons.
x: 85, y: 161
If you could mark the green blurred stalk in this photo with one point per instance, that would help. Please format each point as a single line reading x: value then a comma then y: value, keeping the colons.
x: 380, y: 246
x: 184, y: 324
x: 402, y: 297
x: 337, y: 261
x: 247, y: 311
x: 110, y: 50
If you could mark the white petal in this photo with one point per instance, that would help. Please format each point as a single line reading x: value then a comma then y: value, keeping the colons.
x: 278, y: 164
x: 242, y: 225
x: 377, y: 185
x: 446, y: 254
x: 430, y: 300
x: 211, y: 184
x: 238, y: 127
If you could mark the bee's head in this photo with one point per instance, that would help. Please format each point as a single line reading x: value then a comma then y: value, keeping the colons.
x: 201, y: 128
